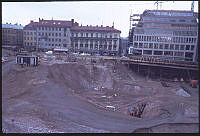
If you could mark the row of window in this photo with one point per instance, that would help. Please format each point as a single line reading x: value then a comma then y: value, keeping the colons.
x: 29, y: 33
x: 100, y: 35
x: 29, y: 38
x: 164, y: 46
x: 30, y: 43
x: 59, y: 40
x: 50, y: 28
x: 167, y: 53
x: 51, y: 34
x: 185, y: 33
x: 97, y: 41
x: 96, y: 47
x: 165, y: 19
x: 164, y: 39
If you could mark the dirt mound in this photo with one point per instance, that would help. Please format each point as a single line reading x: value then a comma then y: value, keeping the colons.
x: 172, y: 128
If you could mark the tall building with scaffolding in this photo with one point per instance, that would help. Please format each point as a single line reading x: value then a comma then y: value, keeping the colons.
x: 167, y: 34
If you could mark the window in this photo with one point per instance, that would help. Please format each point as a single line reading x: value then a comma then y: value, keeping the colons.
x: 52, y: 34
x: 176, y: 47
x: 157, y: 52
x: 182, y: 47
x: 140, y: 45
x: 110, y: 35
x: 187, y: 47
x: 59, y: 34
x: 171, y: 46
x: 145, y: 45
x: 91, y: 34
x: 166, y: 46
x: 81, y: 34
x: 86, y: 34
x: 56, y: 34
x: 178, y: 53
x: 150, y: 45
x: 91, y: 46
x: 181, y: 20
x: 86, y: 45
x: 172, y: 20
x: 192, y: 47
x: 168, y: 53
x: 161, y: 46
x: 135, y: 45
x: 59, y: 40
x: 155, y: 46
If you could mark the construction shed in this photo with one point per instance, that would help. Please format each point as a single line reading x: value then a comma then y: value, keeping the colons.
x: 27, y: 60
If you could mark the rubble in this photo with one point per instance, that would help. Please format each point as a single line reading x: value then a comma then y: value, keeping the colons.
x: 182, y: 92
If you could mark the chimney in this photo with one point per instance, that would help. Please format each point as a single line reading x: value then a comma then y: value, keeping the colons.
x: 6, y: 22
x: 87, y: 25
x: 72, y: 20
x: 96, y: 25
x: 31, y: 21
x: 101, y: 25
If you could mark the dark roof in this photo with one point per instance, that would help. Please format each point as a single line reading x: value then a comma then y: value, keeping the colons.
x: 170, y: 10
x: 56, y: 23
x: 73, y: 25
x: 95, y: 28
x: 12, y: 26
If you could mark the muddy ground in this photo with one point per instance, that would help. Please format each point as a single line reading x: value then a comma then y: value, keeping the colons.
x: 70, y: 97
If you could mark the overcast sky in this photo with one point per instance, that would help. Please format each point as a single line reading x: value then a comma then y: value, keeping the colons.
x: 85, y: 13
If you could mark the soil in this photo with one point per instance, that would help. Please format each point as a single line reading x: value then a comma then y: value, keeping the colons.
x: 59, y: 96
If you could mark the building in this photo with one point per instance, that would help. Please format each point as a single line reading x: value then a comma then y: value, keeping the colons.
x: 50, y: 34
x: 170, y: 34
x: 123, y: 48
x: 95, y: 39
x: 47, y: 34
x: 12, y: 35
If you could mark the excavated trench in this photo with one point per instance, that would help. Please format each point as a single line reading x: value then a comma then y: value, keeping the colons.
x: 105, y: 86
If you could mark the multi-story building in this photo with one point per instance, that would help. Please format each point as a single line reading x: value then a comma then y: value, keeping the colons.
x: 47, y: 34
x: 12, y: 35
x: 167, y: 33
x: 50, y: 34
x: 95, y: 39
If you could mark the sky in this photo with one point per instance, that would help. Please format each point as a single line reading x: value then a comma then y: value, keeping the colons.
x: 87, y: 12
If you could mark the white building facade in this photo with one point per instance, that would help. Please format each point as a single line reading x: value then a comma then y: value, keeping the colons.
x: 167, y: 33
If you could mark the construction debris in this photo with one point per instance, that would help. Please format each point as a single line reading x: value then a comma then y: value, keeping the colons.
x: 182, y: 92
